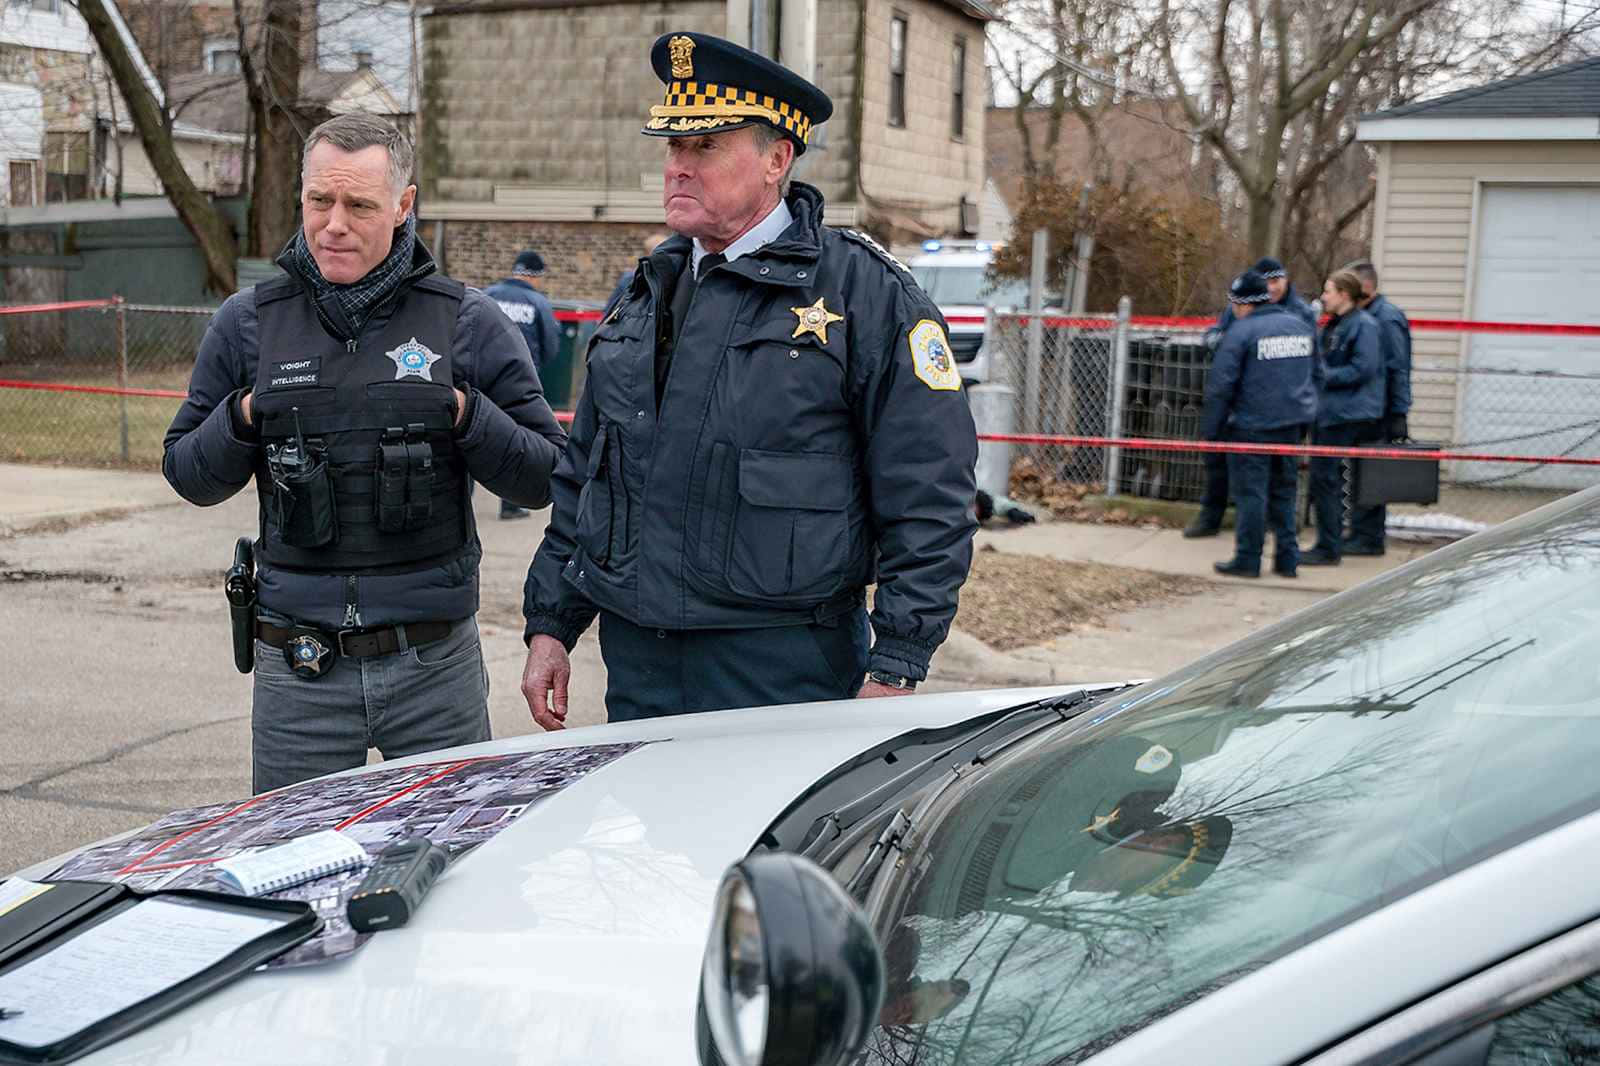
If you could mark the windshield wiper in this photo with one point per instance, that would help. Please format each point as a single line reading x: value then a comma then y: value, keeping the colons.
x: 829, y: 827
x: 1057, y: 709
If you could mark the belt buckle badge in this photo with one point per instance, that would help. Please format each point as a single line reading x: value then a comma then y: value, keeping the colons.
x: 308, y: 653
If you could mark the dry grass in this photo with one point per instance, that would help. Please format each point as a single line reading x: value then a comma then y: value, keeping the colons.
x: 1011, y: 601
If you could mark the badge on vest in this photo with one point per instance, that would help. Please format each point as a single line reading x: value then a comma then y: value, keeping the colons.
x: 413, y: 359
x: 931, y: 357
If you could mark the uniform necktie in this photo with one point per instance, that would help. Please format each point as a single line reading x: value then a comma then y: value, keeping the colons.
x: 715, y: 259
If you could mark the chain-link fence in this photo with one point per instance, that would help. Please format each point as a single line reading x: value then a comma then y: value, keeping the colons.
x: 93, y: 382
x: 1529, y: 394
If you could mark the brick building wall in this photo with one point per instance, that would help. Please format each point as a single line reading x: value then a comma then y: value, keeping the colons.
x: 913, y: 178
x: 545, y: 97
x: 584, y: 259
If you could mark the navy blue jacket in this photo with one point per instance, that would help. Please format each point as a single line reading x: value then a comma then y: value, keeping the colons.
x: 508, y: 437
x: 1394, y: 336
x: 1291, y: 302
x: 1264, y: 374
x: 530, y: 311
x: 1352, y: 357
x: 786, y: 466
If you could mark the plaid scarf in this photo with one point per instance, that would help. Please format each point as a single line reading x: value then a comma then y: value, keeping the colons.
x: 359, y: 299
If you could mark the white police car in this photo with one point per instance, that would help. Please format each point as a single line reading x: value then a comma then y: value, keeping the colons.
x: 1365, y: 835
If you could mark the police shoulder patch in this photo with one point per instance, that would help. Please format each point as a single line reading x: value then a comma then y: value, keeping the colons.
x: 877, y: 249
x: 931, y: 357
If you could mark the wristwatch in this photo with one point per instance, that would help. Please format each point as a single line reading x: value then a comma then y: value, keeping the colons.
x: 883, y: 677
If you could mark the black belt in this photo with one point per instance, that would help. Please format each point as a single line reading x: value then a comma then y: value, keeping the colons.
x: 364, y: 643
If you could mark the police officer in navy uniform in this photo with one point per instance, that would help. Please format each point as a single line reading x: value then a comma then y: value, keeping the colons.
x: 1394, y: 338
x: 1262, y: 388
x: 1280, y: 291
x: 362, y: 391
x: 1349, y: 412
x: 772, y: 420
x: 529, y: 309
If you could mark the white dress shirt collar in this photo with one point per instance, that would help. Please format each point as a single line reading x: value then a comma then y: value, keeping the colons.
x: 762, y: 233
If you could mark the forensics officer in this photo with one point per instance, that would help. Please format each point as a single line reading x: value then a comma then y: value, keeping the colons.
x: 1280, y: 291
x: 1349, y: 411
x: 1262, y: 389
x: 772, y: 421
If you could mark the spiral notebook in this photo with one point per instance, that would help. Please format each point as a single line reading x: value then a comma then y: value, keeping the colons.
x: 301, y: 859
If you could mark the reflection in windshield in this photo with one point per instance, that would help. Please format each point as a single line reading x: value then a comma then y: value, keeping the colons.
x: 1240, y: 809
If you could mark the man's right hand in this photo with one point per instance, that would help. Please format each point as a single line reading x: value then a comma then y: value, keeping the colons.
x: 244, y: 408
x: 544, y: 681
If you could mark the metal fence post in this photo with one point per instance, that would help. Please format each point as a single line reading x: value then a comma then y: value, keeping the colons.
x: 1119, y: 387
x: 121, y: 309
x: 1031, y: 386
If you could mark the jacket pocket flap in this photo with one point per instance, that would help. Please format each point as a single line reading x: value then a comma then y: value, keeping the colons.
x: 779, y: 329
x: 625, y: 326
x: 806, y: 481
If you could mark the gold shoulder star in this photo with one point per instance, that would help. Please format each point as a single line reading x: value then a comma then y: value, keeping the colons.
x: 815, y: 319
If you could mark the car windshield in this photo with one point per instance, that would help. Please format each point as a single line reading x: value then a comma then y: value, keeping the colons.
x: 951, y: 286
x: 1213, y: 821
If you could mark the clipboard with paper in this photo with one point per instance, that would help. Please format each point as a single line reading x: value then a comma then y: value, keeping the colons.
x: 83, y: 964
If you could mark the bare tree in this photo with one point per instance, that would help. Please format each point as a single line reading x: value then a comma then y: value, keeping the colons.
x: 271, y: 67
x: 1269, y: 62
x: 211, y: 230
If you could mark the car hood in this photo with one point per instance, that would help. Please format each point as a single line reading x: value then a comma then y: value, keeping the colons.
x: 575, y: 935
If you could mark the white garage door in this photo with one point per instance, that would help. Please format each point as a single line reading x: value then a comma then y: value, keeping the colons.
x: 1538, y: 261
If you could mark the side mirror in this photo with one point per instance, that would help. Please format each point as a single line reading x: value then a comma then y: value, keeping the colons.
x: 792, y: 973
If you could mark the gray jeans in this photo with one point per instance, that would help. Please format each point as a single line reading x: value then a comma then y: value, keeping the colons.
x: 419, y: 699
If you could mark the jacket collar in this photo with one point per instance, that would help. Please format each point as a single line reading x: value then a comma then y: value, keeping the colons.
x: 333, y: 318
x: 790, y: 259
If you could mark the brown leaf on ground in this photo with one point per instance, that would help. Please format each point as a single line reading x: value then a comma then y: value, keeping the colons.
x: 1011, y: 601
x: 1034, y: 483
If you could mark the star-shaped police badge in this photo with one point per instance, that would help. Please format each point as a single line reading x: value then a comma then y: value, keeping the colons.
x: 815, y: 319
x: 413, y: 359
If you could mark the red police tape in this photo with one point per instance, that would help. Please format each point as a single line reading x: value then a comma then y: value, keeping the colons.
x: 1313, y: 450
x: 1418, y: 325
x: 70, y: 305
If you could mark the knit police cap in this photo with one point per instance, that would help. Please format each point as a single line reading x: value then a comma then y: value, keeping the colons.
x: 714, y: 85
x: 1249, y: 288
x: 1269, y: 267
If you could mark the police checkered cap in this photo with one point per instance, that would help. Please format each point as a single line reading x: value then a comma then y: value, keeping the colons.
x: 1249, y: 288
x: 1269, y: 267
x: 529, y: 264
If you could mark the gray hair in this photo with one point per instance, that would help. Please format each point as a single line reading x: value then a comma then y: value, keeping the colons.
x: 358, y: 130
x: 767, y: 136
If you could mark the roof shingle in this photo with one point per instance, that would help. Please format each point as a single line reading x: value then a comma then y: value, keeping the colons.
x: 1560, y: 92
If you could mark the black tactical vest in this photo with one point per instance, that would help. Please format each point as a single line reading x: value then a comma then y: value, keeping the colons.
x: 358, y: 471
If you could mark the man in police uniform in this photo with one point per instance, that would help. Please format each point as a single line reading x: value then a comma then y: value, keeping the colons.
x: 772, y: 420
x: 1262, y: 388
x: 1280, y: 291
x: 362, y: 391
x: 529, y: 308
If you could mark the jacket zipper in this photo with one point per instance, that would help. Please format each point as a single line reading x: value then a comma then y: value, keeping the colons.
x: 352, y: 614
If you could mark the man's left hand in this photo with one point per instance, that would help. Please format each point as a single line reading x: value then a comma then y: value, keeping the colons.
x: 874, y: 689
x: 461, y: 405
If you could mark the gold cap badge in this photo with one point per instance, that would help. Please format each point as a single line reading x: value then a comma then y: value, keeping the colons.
x: 815, y: 319
x: 682, y: 51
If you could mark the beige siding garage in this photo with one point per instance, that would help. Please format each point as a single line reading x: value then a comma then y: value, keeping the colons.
x: 1425, y: 241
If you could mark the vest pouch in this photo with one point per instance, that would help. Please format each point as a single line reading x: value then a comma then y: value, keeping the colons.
x: 303, y: 498
x: 392, y: 472
x: 419, y: 481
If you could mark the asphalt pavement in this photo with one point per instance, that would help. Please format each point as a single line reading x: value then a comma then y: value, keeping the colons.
x: 119, y: 701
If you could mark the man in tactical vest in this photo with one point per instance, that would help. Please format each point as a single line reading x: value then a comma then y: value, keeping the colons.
x: 771, y: 421
x: 363, y: 392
